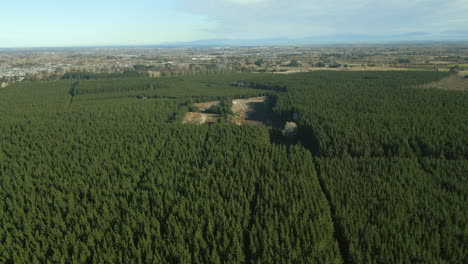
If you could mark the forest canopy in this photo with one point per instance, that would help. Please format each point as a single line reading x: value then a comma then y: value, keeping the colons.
x: 92, y: 173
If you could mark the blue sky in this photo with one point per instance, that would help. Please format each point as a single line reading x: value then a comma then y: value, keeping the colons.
x: 36, y: 23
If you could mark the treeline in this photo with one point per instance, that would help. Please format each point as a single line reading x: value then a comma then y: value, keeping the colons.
x: 194, y: 87
x: 93, y: 75
x: 224, y: 108
x: 267, y: 86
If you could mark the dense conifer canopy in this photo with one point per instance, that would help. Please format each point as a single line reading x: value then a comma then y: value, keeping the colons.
x: 99, y: 169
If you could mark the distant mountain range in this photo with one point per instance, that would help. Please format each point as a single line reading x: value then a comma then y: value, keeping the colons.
x: 412, y: 37
x: 333, y: 39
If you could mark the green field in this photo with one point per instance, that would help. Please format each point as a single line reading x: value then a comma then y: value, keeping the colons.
x: 101, y: 170
x: 459, y: 65
x: 420, y: 69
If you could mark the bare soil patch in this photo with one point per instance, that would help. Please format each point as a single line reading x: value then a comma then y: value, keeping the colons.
x: 198, y: 118
x: 251, y: 110
x: 254, y: 110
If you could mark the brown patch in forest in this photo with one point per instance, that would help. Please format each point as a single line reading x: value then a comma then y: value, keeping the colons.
x: 197, y: 118
x: 254, y: 110
x: 250, y: 111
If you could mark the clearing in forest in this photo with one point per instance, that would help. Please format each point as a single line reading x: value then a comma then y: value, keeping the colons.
x: 205, y: 105
x: 198, y: 118
x: 254, y: 110
x: 251, y: 110
x: 201, y: 117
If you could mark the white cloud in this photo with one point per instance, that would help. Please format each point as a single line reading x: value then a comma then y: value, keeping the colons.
x: 302, y: 18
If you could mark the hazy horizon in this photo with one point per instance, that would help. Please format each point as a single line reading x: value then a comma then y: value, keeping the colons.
x: 52, y: 23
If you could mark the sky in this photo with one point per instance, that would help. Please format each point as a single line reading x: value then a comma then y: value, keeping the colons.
x: 53, y: 23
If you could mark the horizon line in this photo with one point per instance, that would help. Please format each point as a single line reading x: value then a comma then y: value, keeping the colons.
x: 258, y: 44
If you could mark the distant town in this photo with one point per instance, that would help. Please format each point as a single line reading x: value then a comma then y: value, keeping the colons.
x: 52, y: 63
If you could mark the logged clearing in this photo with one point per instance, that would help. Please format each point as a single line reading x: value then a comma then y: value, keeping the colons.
x: 198, y: 118
x: 250, y: 110
x: 246, y: 111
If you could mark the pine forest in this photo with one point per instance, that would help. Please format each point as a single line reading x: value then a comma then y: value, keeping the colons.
x: 98, y: 168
